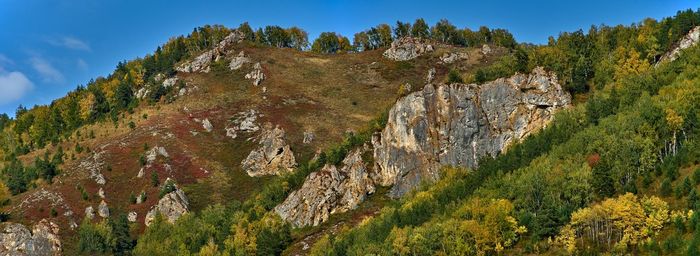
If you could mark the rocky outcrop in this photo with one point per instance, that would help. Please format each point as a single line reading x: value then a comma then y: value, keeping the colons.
x: 256, y: 74
x: 452, y: 57
x: 238, y: 61
x: 407, y: 48
x: 132, y: 216
x: 328, y: 191
x: 89, y: 212
x: 171, y: 206
x: 690, y: 39
x: 17, y: 239
x: 202, y: 62
x: 457, y: 124
x: 485, y: 49
x: 153, y: 154
x: 242, y: 122
x: 170, y: 82
x: 272, y: 157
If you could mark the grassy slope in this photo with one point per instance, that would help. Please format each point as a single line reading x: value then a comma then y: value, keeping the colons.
x: 326, y: 94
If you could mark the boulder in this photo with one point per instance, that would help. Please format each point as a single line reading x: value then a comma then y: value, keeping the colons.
x: 17, y: 239
x: 272, y: 157
x: 256, y: 74
x: 407, y: 48
x: 171, y: 206
x: 690, y: 39
x: 103, y: 210
x: 207, y: 125
x: 328, y: 191
x: 308, y: 137
x: 101, y: 193
x: 457, y: 124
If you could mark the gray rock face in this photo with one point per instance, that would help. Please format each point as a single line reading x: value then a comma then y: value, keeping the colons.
x: 256, y: 74
x: 272, y: 157
x: 171, y: 206
x: 690, y: 39
x: 103, y: 210
x: 330, y: 190
x: 457, y: 124
x: 407, y: 48
x: 202, y: 62
x: 16, y: 239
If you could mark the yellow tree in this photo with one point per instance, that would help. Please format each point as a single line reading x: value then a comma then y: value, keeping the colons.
x: 628, y: 63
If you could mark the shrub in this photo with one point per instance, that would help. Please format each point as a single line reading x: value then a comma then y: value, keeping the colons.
x: 454, y: 77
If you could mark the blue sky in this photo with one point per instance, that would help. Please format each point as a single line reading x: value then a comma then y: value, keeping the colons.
x: 49, y: 47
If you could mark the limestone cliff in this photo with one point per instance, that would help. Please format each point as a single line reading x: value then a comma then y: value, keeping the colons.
x: 457, y: 124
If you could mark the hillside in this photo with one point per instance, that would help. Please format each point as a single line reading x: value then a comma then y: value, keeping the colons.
x: 456, y: 142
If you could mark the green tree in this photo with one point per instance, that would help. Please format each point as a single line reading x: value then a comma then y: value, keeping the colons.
x: 666, y: 187
x: 298, y: 38
x: 247, y: 31
x: 327, y: 42
x: 420, y: 29
x: 402, y: 29
x: 123, y: 243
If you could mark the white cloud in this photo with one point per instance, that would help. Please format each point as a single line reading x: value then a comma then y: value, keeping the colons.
x: 14, y: 85
x: 70, y: 43
x: 46, y: 70
x: 82, y: 65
